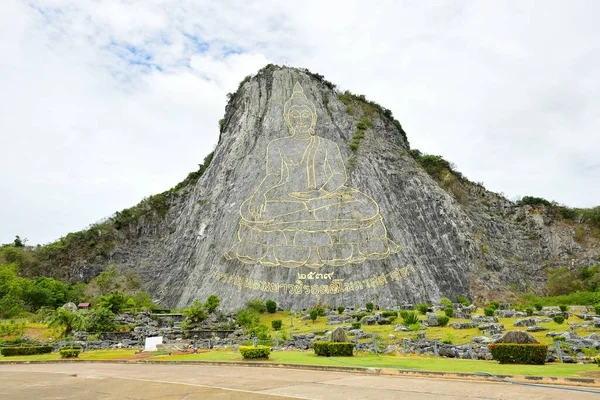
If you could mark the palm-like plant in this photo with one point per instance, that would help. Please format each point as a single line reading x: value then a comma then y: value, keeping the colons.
x: 64, y: 318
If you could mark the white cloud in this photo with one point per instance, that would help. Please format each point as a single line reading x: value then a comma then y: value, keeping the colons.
x: 105, y: 102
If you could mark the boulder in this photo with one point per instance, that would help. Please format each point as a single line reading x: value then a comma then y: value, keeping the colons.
x: 518, y: 337
x: 481, y: 339
x: 70, y: 306
x: 536, y: 329
x: 339, y: 335
x: 491, y: 329
x: 506, y: 313
x: 461, y: 325
x: 525, y: 322
x: 481, y: 319
x: 401, y: 328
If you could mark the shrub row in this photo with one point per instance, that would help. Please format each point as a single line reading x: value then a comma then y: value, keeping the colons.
x: 25, y: 351
x: 70, y: 352
x: 255, y: 352
x: 331, y: 349
x: 512, y: 353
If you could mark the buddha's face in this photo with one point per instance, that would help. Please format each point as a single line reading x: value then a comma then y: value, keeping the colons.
x: 300, y: 119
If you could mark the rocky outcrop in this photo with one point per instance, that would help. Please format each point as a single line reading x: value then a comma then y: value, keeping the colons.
x: 453, y: 242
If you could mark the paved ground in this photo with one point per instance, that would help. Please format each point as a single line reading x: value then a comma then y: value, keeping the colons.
x: 152, y: 381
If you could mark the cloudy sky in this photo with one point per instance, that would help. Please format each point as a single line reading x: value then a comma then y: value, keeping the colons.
x: 105, y: 102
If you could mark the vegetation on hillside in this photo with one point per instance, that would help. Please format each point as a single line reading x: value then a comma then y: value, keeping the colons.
x: 98, y: 240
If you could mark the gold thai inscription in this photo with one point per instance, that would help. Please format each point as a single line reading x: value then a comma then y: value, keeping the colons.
x: 300, y: 287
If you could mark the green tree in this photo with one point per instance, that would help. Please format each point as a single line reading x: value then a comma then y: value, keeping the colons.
x: 63, y: 318
x: 212, y: 303
x: 313, y: 315
x: 196, y: 312
x: 114, y: 301
x: 18, y: 242
x: 341, y: 309
x: 100, y: 320
x: 562, y: 281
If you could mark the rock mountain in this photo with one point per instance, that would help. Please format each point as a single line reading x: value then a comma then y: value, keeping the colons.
x: 365, y: 220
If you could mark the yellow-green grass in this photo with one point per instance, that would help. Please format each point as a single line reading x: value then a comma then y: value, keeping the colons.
x: 399, y: 362
x: 108, y: 354
x: 457, y: 336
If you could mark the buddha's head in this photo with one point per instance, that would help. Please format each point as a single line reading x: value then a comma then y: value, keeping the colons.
x: 300, y: 113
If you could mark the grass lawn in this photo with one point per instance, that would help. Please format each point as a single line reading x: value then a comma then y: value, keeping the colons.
x: 109, y: 354
x: 399, y: 362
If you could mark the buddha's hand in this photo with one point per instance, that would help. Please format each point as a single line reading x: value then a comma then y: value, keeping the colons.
x: 310, y: 195
x: 257, y: 205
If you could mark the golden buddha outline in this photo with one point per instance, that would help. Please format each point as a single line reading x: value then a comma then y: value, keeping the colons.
x: 302, y: 213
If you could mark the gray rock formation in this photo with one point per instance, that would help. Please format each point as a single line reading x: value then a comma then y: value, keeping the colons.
x: 339, y: 335
x: 454, y: 238
x: 518, y: 337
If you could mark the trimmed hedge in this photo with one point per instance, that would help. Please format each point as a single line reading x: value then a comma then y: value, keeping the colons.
x: 330, y: 349
x: 69, y: 352
x: 25, y: 351
x: 388, y: 314
x: 255, y: 352
x: 513, y: 353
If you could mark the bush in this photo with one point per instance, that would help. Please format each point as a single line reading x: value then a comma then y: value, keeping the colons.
x: 25, y: 351
x: 321, y: 348
x: 195, y: 312
x: 488, y: 312
x: 100, y: 320
x: 256, y: 305
x: 271, y: 306
x: 69, y: 352
x: 246, y: 317
x: 341, y: 349
x: 494, y: 305
x: 212, y: 303
x: 538, y: 306
x: 359, y: 316
x: 445, y: 302
x: 449, y: 311
x: 529, y: 311
x: 422, y: 308
x: 369, y: 306
x: 597, y: 309
x: 255, y: 352
x: 276, y: 324
x: 442, y: 320
x: 463, y: 300
x: 415, y: 327
x: 559, y: 319
x: 320, y: 308
x: 512, y: 353
x: 403, y: 313
x: 563, y: 308
x: 410, y: 319
x: 341, y: 309
x: 387, y: 314
x: 330, y: 349
x: 356, y: 325
x: 392, y: 319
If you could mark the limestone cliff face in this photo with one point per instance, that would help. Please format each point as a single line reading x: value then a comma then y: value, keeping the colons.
x: 450, y: 246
